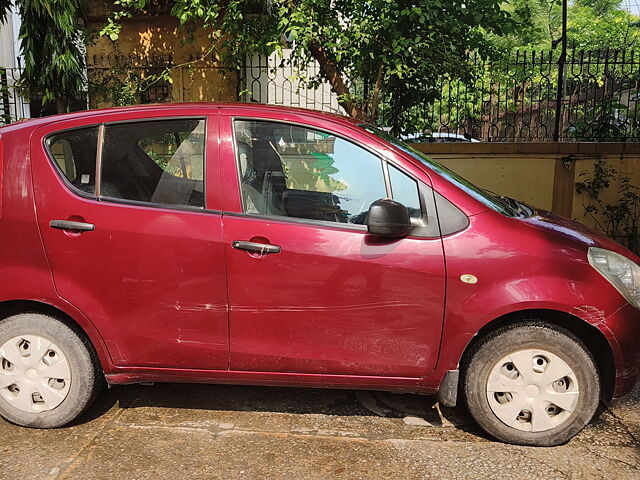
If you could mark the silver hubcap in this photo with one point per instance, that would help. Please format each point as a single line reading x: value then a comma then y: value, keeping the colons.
x: 34, y: 374
x: 532, y: 390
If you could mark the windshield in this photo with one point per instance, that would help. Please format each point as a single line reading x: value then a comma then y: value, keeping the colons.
x: 479, y: 194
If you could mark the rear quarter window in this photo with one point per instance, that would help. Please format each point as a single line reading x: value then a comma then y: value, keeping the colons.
x: 74, y: 153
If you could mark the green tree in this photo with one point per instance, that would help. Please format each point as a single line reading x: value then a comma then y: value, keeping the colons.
x: 52, y: 48
x: 601, y: 24
x: 591, y: 25
x: 367, y: 50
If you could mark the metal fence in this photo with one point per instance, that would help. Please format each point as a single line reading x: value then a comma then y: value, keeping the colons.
x: 519, y: 98
x: 13, y: 107
x: 514, y: 99
x: 267, y: 80
x: 523, y: 98
x: 128, y: 79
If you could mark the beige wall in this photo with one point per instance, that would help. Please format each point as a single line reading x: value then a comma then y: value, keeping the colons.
x: 538, y: 174
x: 198, y: 74
x: 528, y: 179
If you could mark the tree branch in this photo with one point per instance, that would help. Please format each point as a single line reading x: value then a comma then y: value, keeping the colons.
x: 334, y: 77
x: 375, y: 97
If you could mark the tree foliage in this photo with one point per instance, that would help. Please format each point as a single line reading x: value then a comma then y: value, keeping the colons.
x: 619, y: 218
x: 5, y: 5
x: 52, y: 48
x: 366, y: 49
x: 591, y: 25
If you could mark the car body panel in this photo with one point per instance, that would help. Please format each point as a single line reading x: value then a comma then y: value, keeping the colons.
x: 335, y: 300
x: 152, y: 279
x: 25, y: 275
x: 533, y: 269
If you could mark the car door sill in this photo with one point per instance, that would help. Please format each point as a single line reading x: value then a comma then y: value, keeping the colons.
x: 128, y: 375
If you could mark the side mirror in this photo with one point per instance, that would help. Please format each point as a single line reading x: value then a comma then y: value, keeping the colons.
x: 388, y: 218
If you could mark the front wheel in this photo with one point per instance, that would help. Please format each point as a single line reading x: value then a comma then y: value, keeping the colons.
x: 531, y: 384
x: 48, y: 373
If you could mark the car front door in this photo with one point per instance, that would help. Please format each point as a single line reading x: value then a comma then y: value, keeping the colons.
x: 309, y: 290
x: 136, y: 243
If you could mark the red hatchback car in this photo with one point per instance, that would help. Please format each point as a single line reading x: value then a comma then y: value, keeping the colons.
x: 262, y: 245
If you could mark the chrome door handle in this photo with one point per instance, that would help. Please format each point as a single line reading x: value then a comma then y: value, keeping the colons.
x: 262, y: 248
x: 70, y: 225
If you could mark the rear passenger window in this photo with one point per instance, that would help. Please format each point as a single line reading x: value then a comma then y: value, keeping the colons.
x: 74, y: 152
x: 160, y: 161
x: 292, y: 171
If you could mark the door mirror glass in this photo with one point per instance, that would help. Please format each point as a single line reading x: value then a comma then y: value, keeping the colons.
x: 388, y: 218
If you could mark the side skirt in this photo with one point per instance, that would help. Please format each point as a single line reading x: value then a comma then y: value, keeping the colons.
x: 312, y: 380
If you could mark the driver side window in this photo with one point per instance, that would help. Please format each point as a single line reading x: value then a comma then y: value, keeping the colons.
x: 293, y: 171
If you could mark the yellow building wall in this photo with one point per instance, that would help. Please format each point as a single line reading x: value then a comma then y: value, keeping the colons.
x: 197, y: 74
x: 528, y: 172
x: 527, y: 179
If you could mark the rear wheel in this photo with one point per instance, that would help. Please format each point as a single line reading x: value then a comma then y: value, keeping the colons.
x: 532, y: 384
x: 48, y: 373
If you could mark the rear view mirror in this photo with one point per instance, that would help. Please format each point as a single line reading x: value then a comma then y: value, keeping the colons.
x: 388, y: 218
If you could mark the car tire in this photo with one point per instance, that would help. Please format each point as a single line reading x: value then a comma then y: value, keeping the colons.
x: 49, y: 374
x: 511, y: 390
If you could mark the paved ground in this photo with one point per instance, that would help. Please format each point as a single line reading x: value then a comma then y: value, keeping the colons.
x: 228, y: 432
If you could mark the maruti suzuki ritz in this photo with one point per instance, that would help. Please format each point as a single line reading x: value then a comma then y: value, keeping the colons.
x: 251, y: 244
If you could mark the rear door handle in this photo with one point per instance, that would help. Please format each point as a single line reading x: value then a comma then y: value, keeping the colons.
x: 262, y: 248
x: 70, y: 225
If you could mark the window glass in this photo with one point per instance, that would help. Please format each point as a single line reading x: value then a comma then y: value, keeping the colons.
x: 479, y: 194
x: 405, y: 191
x: 159, y: 161
x: 74, y: 152
x: 299, y: 172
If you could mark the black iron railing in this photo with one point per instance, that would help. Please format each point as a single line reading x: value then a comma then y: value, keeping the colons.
x: 12, y: 106
x: 524, y: 99
x: 518, y: 98
x: 521, y: 97
x: 128, y: 79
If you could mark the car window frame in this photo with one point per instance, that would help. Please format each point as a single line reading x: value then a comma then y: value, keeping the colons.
x: 428, y: 229
x: 98, y: 163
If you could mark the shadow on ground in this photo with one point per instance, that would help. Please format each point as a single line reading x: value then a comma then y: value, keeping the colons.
x: 415, y: 409
x: 621, y: 417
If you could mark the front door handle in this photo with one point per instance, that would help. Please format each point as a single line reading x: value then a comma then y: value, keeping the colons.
x: 262, y: 248
x: 71, y: 225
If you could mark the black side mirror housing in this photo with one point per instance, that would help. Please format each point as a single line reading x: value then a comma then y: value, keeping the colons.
x: 388, y: 218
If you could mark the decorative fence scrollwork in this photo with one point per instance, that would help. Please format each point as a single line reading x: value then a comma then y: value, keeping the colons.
x: 514, y: 99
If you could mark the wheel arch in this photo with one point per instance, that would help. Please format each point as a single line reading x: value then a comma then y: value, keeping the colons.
x: 91, y: 336
x: 591, y: 336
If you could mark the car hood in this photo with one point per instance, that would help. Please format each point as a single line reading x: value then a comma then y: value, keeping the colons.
x: 576, y: 232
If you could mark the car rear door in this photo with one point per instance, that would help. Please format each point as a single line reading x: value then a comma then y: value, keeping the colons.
x: 309, y: 290
x: 136, y: 244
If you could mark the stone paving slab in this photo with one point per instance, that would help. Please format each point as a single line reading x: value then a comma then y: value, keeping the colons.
x: 173, y: 431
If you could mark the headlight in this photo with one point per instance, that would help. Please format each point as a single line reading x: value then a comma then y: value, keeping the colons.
x: 621, y: 272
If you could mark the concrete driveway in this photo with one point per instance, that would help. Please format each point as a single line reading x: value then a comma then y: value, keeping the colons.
x: 209, y: 431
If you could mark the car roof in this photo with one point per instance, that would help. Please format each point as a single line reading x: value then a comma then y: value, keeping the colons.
x: 35, y: 122
x: 447, y: 134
